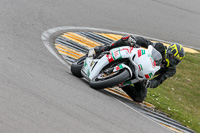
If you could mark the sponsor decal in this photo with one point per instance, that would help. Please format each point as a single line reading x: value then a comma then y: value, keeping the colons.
x: 116, y: 53
x: 141, y: 52
x: 110, y: 58
x: 148, y: 75
x: 124, y: 49
x: 140, y: 67
x: 131, y: 49
x: 152, y: 61
x: 87, y: 70
x: 119, y: 67
x: 127, y: 49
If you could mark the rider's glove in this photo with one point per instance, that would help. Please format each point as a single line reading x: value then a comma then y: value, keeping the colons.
x: 132, y: 41
x: 99, y: 49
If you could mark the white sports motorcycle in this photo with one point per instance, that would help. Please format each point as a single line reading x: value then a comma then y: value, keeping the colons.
x: 118, y: 67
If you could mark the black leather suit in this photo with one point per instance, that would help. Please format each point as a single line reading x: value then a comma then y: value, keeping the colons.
x: 138, y: 91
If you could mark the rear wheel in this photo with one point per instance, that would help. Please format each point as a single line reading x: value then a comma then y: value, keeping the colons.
x: 103, y: 80
x: 77, y: 66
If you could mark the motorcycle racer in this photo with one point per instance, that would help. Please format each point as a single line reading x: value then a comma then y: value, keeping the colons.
x: 171, y: 57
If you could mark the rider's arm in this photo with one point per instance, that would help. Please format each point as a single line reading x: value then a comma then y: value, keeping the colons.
x: 124, y: 41
x: 143, y: 42
x: 131, y: 41
x: 162, y: 77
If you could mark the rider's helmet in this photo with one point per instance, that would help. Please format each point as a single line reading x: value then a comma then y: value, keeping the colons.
x: 174, y: 54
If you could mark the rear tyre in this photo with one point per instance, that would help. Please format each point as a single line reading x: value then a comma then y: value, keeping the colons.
x: 100, y: 83
x: 77, y: 66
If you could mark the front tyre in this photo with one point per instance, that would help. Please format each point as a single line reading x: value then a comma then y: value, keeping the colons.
x: 109, y: 81
x: 77, y: 66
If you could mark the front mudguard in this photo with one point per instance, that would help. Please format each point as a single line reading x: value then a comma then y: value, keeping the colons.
x: 123, y: 66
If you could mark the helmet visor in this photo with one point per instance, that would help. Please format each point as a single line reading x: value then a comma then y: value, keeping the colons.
x: 172, y: 59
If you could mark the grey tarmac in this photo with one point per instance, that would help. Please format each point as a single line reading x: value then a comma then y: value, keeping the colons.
x: 39, y: 94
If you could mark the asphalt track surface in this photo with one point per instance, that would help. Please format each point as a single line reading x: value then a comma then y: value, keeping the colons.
x: 38, y: 93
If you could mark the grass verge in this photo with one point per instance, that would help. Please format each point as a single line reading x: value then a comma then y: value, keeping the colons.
x: 179, y: 96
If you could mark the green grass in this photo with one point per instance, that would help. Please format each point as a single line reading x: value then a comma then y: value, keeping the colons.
x: 179, y: 96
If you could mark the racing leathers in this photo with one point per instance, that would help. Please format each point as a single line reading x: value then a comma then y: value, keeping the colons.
x: 138, y: 91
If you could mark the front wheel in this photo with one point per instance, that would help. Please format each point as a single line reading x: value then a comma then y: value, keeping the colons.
x: 102, y: 81
x: 77, y: 66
